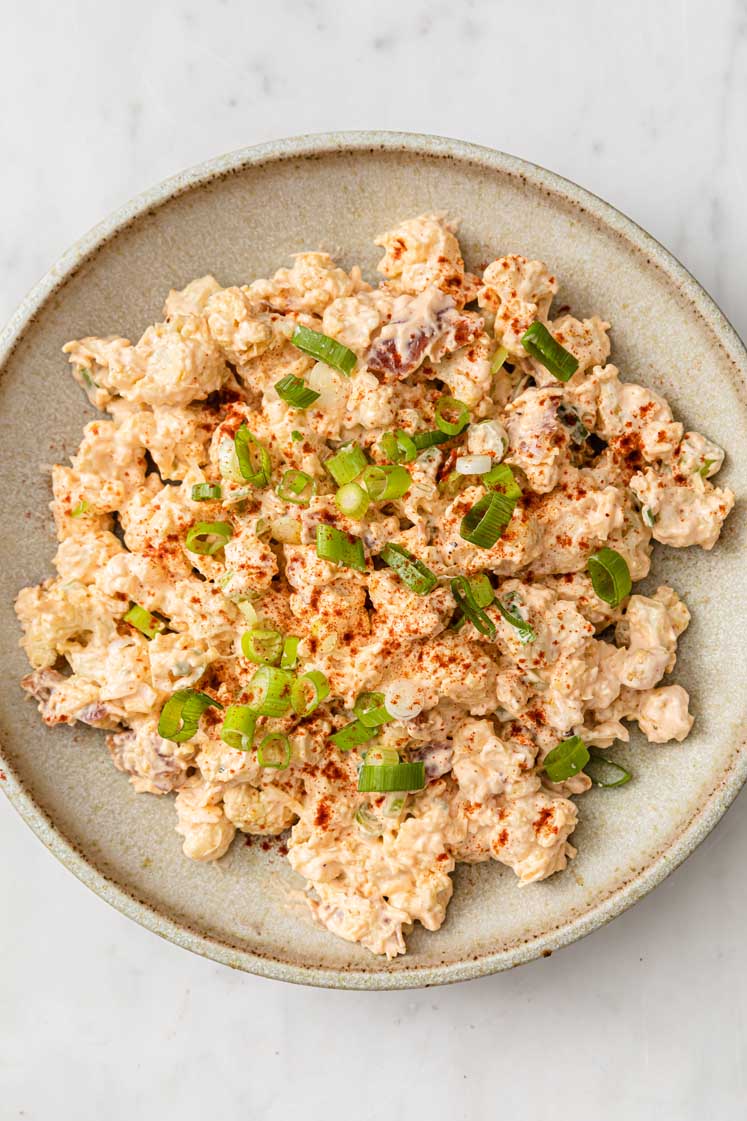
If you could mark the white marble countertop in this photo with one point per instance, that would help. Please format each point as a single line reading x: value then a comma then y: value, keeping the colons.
x: 643, y: 103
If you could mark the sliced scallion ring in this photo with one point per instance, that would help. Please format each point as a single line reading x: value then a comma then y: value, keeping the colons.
x: 295, y: 392
x: 206, y: 492
x: 352, y: 735
x: 262, y: 646
x: 385, y: 484
x: 482, y: 590
x: 239, y: 723
x: 352, y: 501
x: 269, y: 691
x: 501, y: 478
x: 499, y: 358
x: 487, y: 519
x: 371, y: 711
x: 296, y: 435
x: 465, y: 600
x: 451, y: 415
x: 208, y: 538
x: 384, y: 778
x: 296, y: 487
x: 289, y: 657
x: 368, y: 821
x: 381, y: 757
x: 399, y: 446
x: 253, y: 457
x: 340, y: 548
x: 347, y: 464
x: 566, y: 760
x: 274, y: 751
x: 610, y: 576
x: 146, y: 623
x: 423, y: 440
x: 473, y: 464
x: 599, y: 764
x: 324, y: 349
x: 180, y: 716
x: 525, y: 632
x: 539, y: 343
x: 412, y: 572
x: 449, y: 487
x: 308, y: 692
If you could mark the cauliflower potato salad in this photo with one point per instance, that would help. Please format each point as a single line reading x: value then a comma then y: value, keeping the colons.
x: 355, y: 564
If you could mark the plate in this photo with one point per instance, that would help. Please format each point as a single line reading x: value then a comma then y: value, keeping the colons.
x: 239, y: 217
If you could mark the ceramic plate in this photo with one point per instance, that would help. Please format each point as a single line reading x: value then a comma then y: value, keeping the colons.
x: 240, y: 217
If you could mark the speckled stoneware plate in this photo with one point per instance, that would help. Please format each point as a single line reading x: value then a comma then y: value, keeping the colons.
x: 240, y: 217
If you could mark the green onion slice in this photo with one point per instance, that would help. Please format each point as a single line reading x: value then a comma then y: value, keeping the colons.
x: 294, y: 391
x: 296, y: 435
x: 610, y: 576
x: 262, y: 646
x: 566, y: 760
x: 274, y: 751
x: 238, y: 727
x: 539, y: 343
x: 269, y: 691
x: 352, y: 501
x: 324, y: 349
x: 449, y: 487
x: 501, y: 478
x: 423, y: 440
x: 371, y: 711
x: 206, y: 492
x: 208, y: 538
x: 451, y: 415
x: 146, y: 623
x: 255, y: 464
x: 289, y: 657
x: 308, y: 692
x: 399, y: 776
x: 487, y: 519
x: 180, y: 716
x: 381, y: 756
x: 346, y: 464
x: 340, y: 548
x: 412, y: 572
x: 385, y: 484
x: 499, y: 358
x: 525, y: 632
x: 352, y: 735
x: 648, y: 516
x: 399, y: 446
x: 82, y: 508
x: 482, y: 590
x: 600, y: 764
x: 296, y: 487
x: 465, y: 600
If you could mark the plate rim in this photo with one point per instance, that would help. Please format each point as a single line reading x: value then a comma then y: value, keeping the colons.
x: 701, y: 822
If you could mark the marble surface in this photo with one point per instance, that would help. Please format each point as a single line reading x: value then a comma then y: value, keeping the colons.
x: 643, y: 104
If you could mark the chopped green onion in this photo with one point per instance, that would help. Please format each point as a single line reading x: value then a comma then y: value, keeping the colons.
x: 381, y: 757
x: 394, y: 805
x: 526, y: 633
x: 82, y: 508
x: 238, y: 727
x: 417, y: 576
x: 352, y: 735
x: 274, y: 751
x: 368, y: 821
x: 385, y: 484
x: 296, y: 435
x: 707, y: 465
x: 146, y: 623
x: 294, y: 391
x: 539, y: 343
x: 289, y: 657
x: 451, y: 415
x: 255, y: 464
x: 450, y: 486
x: 180, y: 716
x: 499, y: 358
x: 566, y: 760
x: 610, y: 576
x: 206, y: 492
x: 269, y: 691
x: 371, y: 711
x: 308, y: 692
x: 208, y: 538
x: 296, y: 487
x: 465, y: 600
x: 501, y: 478
x: 340, y: 548
x: 648, y: 516
x: 399, y: 446
x: 262, y: 646
x: 399, y: 776
x: 599, y: 763
x: 324, y: 349
x: 482, y: 590
x: 347, y: 464
x: 423, y: 440
x: 487, y: 519
x: 568, y: 417
x: 352, y: 501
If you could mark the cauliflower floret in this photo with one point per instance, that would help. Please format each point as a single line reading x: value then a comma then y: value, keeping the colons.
x: 65, y: 700
x: 155, y: 765
x: 56, y: 617
x: 242, y: 327
x: 484, y: 765
x: 663, y: 715
x: 310, y: 285
x: 79, y: 558
x: 191, y: 300
x: 265, y: 810
x: 201, y: 821
x: 684, y: 510
x: 574, y: 520
x: 585, y: 339
x: 353, y: 320
x: 404, y: 614
x: 250, y: 564
x: 538, y: 442
x: 421, y: 252
x: 696, y: 454
x: 518, y: 546
x: 519, y: 292
x: 648, y: 633
x: 467, y: 374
